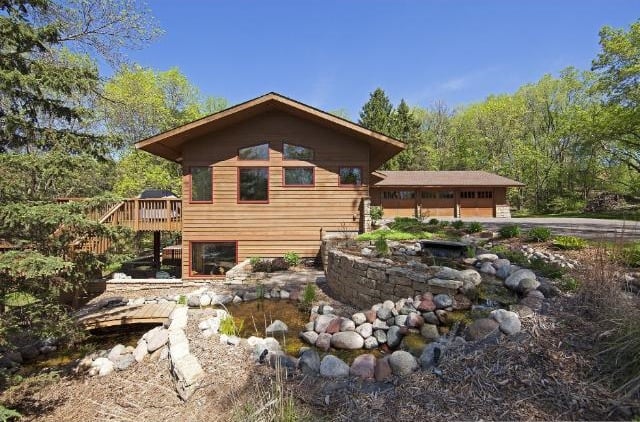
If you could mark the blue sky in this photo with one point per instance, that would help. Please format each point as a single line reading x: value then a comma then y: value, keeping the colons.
x: 332, y: 53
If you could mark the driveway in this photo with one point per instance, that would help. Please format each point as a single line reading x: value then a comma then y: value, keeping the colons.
x: 589, y: 228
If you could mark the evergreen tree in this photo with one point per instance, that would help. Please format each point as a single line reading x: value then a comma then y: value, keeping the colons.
x: 377, y: 113
x: 406, y: 128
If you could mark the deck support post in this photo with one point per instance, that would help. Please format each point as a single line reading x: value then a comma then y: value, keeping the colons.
x: 156, y: 249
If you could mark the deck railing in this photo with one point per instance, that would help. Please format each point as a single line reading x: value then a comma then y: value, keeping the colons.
x: 147, y: 215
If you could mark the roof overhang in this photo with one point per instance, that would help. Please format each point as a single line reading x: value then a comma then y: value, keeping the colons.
x: 169, y: 144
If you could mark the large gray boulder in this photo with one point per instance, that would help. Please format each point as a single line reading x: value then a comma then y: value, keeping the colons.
x: 509, y: 321
x: 394, y: 337
x: 402, y: 363
x: 156, y: 338
x: 359, y: 318
x: 481, y: 328
x: 470, y: 277
x: 309, y: 362
x: 447, y: 273
x: 309, y: 337
x: 365, y: 330
x: 443, y: 301
x: 277, y: 327
x: 431, y: 355
x: 513, y: 281
x: 333, y: 367
x: 322, y: 322
x: 429, y: 331
x: 347, y: 340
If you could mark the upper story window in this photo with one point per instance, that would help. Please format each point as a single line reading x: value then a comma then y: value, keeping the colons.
x: 298, y: 176
x: 351, y: 176
x: 296, y: 152
x: 253, y: 184
x: 428, y: 194
x: 485, y: 194
x: 255, y: 152
x: 445, y: 194
x: 201, y: 186
x: 468, y: 195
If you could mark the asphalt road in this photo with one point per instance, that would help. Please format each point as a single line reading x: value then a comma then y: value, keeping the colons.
x: 589, y: 228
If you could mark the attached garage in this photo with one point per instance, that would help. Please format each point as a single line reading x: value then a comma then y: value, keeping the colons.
x: 455, y: 194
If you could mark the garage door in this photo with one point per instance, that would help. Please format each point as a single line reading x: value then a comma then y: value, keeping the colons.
x: 476, y: 203
x: 436, y: 203
x: 399, y: 203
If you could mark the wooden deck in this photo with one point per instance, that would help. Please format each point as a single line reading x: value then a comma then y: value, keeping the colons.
x: 157, y: 313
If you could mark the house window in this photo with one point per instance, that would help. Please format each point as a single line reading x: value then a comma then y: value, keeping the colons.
x: 400, y: 194
x: 297, y: 152
x: 256, y: 152
x: 485, y: 194
x: 468, y: 195
x: 212, y: 258
x: 446, y: 194
x: 298, y: 176
x: 428, y: 194
x: 253, y: 184
x: 201, y: 187
x: 351, y: 176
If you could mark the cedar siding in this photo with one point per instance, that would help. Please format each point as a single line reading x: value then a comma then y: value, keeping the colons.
x: 294, y: 217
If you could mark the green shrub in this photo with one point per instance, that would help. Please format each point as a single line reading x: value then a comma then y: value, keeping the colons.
x: 433, y: 221
x: 407, y: 224
x: 254, y: 260
x: 7, y: 415
x: 631, y: 254
x: 457, y: 224
x: 474, y: 227
x: 229, y: 326
x: 569, y: 242
x: 182, y: 300
x: 261, y: 266
x: 510, y: 231
x: 539, y: 234
x: 546, y: 269
x: 376, y: 213
x: 309, y: 295
x: 568, y: 284
x: 444, y: 223
x: 381, y: 246
x: 515, y: 257
x: 292, y: 258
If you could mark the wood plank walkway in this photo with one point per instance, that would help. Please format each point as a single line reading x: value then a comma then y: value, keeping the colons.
x: 153, y: 313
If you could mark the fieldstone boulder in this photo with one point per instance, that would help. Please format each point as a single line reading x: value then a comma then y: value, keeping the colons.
x: 444, y: 283
x: 470, y: 277
x: 333, y: 367
x: 513, y: 281
x: 380, y: 325
x: 527, y: 284
x: 384, y: 313
x: 380, y: 336
x: 430, y: 318
x: 509, y: 321
x: 487, y: 268
x: 402, y: 363
x: 394, y: 337
x: 140, y: 351
x: 365, y: 330
x: 447, y: 273
x: 347, y: 340
x: 481, y: 328
x: 426, y: 304
x: 334, y: 326
x: 431, y: 355
x: 487, y: 257
x: 414, y: 320
x: 309, y: 362
x: 363, y: 366
x: 370, y: 315
x: 322, y: 322
x: 442, y: 301
x: 429, y: 331
x: 115, y: 352
x: 156, y: 338
x: 523, y: 311
x: 347, y: 325
x: 400, y: 320
x: 193, y: 301
x: 205, y: 300
x: 359, y: 318
x: 277, y: 327
x: 122, y: 362
x: 102, y: 367
x: 382, y: 370
x: 370, y: 343
x: 501, y: 263
x: 323, y: 342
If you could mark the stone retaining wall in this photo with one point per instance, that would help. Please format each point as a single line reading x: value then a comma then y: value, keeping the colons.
x: 363, y: 282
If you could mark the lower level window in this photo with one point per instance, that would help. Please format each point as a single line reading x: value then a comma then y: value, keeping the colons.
x: 212, y: 258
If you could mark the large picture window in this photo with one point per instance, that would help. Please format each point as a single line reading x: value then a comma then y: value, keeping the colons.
x: 298, y: 176
x: 201, y: 188
x: 212, y: 258
x: 256, y: 152
x: 296, y: 152
x: 351, y: 176
x: 253, y: 184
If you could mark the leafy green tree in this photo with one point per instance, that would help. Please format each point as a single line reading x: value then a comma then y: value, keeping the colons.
x: 139, y: 103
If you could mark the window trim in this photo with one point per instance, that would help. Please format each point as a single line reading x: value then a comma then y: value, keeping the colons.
x: 313, y: 151
x: 217, y: 276
x: 255, y: 145
x: 313, y: 177
x: 351, y: 185
x: 240, y: 201
x: 191, y: 201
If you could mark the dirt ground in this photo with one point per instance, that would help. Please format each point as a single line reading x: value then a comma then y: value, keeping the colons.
x: 547, y: 372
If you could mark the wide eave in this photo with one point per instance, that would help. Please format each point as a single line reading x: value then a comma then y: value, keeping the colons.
x: 169, y: 144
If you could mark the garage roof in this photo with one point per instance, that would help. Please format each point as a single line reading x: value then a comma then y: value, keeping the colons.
x: 443, y: 179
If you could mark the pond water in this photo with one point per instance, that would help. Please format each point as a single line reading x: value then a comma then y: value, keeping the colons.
x: 100, y: 339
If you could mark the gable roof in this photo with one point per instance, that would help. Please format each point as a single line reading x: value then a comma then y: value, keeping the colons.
x: 443, y: 179
x: 169, y: 144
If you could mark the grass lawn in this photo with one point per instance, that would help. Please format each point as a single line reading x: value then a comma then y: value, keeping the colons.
x: 395, y: 235
x: 631, y: 215
x: 19, y: 299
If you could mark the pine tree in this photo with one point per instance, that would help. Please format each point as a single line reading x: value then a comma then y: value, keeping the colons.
x: 377, y: 113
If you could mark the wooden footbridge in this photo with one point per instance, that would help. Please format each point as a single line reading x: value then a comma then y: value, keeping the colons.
x: 153, y: 313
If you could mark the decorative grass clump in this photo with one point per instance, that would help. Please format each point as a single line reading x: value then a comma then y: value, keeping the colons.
x: 569, y: 242
x: 510, y: 231
x: 539, y: 234
x: 457, y: 224
x: 474, y: 227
